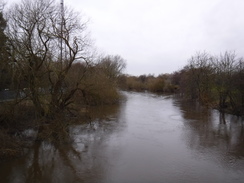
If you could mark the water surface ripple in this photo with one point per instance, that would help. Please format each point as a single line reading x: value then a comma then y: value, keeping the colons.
x: 148, y: 138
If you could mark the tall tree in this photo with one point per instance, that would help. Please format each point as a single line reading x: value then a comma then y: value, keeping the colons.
x: 44, y: 45
x: 5, y: 78
x: 199, y: 76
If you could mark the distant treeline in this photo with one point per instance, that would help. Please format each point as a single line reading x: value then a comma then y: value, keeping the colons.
x: 159, y: 84
x: 216, y: 81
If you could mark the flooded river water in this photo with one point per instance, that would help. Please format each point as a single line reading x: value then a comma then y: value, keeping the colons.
x: 147, y: 139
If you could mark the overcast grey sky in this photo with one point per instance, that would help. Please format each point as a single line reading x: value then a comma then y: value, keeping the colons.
x: 159, y: 36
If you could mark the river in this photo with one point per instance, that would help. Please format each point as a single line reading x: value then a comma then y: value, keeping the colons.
x: 147, y: 139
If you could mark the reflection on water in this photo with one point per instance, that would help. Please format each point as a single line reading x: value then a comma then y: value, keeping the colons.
x: 77, y: 160
x: 210, y: 131
x: 148, y: 138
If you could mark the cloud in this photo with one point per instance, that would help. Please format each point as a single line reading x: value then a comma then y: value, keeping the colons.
x: 159, y: 36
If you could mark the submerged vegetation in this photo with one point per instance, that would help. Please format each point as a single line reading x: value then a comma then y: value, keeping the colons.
x: 215, y: 81
x: 49, y: 72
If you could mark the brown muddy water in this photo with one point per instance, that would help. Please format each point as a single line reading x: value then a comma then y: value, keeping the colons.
x: 147, y: 139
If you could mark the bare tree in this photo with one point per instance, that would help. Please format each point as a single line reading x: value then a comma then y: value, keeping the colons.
x: 225, y: 66
x: 199, y: 76
x: 112, y: 66
x: 217, y: 80
x: 36, y: 29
